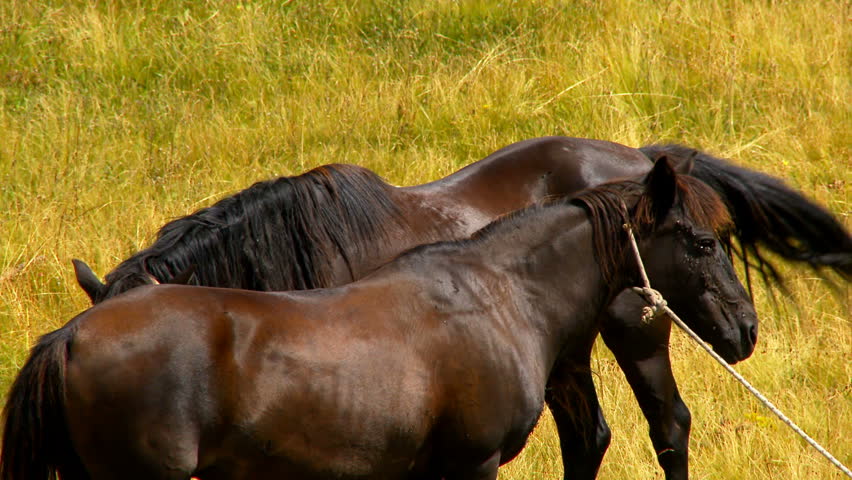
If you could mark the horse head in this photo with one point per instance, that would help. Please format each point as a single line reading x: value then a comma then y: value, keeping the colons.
x: 99, y: 291
x: 683, y: 220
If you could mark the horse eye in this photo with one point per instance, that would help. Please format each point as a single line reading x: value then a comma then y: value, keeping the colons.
x: 707, y: 244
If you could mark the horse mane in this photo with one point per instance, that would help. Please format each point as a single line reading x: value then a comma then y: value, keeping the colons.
x: 767, y: 213
x: 606, y: 206
x: 279, y: 234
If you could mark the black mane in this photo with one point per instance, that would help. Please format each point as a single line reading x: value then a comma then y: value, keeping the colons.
x: 280, y: 234
x: 767, y: 213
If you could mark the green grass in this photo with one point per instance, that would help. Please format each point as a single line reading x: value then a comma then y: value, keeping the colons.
x: 116, y: 117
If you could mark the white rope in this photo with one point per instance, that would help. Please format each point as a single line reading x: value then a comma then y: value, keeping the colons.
x: 658, y: 306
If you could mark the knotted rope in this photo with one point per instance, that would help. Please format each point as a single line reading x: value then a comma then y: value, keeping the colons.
x: 658, y: 306
x: 655, y: 299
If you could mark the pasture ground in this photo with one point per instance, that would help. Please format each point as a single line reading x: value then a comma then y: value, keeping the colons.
x: 115, y: 118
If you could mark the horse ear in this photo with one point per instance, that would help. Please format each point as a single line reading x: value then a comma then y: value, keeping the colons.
x: 661, y: 187
x: 184, y: 277
x: 682, y: 165
x: 87, y: 280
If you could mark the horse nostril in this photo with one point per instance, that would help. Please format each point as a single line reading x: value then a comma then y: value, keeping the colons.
x: 752, y: 334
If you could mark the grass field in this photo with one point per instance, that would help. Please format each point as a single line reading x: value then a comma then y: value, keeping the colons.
x: 115, y: 118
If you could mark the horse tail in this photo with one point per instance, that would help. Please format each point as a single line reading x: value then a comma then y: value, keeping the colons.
x: 36, y: 441
x: 768, y: 213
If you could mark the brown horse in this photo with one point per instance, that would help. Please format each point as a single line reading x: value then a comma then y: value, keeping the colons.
x: 434, y: 366
x: 338, y: 223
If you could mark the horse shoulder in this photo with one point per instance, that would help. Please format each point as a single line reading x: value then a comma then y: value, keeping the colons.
x: 487, y: 388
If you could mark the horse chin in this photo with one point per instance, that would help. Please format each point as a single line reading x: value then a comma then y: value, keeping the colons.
x: 744, y: 354
x: 731, y: 352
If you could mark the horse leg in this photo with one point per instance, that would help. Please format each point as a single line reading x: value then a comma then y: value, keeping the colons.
x: 642, y: 352
x: 583, y: 433
x: 668, y: 416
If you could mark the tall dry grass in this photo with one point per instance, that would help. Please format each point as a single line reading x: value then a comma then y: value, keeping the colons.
x: 115, y: 117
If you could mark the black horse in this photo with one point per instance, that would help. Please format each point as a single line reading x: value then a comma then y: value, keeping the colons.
x: 338, y: 223
x: 433, y: 367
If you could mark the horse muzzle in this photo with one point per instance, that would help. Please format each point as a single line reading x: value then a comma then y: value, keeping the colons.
x: 737, y: 343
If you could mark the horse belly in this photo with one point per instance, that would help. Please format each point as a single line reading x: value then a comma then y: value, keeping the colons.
x: 325, y: 445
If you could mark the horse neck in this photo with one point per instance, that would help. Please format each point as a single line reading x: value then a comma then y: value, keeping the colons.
x: 550, y: 257
x: 460, y: 204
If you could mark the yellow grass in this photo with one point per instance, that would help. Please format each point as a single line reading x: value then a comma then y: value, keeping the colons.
x: 116, y: 117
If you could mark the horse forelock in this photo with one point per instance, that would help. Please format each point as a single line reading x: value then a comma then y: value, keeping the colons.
x: 125, y: 277
x: 279, y: 234
x: 702, y: 205
x: 612, y: 205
